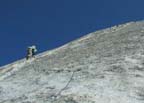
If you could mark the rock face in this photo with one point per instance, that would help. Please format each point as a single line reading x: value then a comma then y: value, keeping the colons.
x: 106, y: 66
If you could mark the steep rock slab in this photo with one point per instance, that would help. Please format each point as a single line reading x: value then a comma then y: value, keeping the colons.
x: 106, y: 66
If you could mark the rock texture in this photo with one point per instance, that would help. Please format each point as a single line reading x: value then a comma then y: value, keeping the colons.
x: 106, y: 66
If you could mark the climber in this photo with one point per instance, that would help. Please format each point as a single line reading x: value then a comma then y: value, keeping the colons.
x: 31, y: 52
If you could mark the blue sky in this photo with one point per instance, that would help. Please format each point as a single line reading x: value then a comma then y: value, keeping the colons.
x: 52, y: 23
